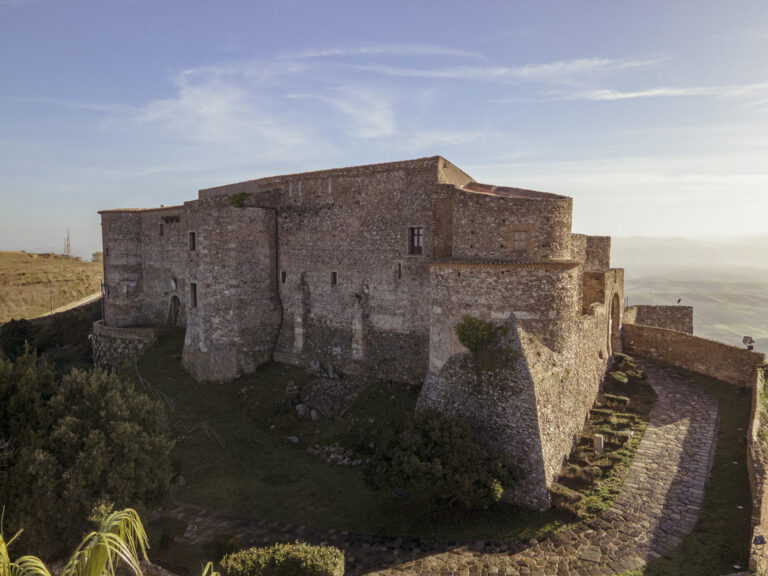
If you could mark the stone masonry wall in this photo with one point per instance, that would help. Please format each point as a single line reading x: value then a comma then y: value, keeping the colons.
x: 757, y: 466
x: 538, y: 406
x: 727, y: 363
x: 484, y: 226
x: 234, y: 326
x: 114, y: 346
x: 679, y: 318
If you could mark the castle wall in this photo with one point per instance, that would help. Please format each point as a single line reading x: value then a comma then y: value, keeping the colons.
x: 598, y: 254
x: 233, y: 327
x: 113, y: 346
x: 728, y: 363
x: 536, y: 407
x: 164, y: 249
x: 123, y: 269
x: 352, y: 294
x: 679, y: 318
x: 484, y: 226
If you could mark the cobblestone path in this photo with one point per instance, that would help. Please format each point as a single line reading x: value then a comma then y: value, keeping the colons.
x: 657, y: 507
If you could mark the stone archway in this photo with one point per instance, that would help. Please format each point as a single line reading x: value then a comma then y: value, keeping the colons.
x: 614, y: 326
x: 173, y: 310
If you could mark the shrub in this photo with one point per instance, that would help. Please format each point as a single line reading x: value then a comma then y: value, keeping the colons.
x: 477, y: 335
x: 79, y: 441
x: 285, y: 560
x: 436, y: 458
x: 618, y: 377
x: 238, y: 200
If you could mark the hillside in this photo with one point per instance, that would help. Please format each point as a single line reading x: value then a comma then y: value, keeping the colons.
x: 30, y: 282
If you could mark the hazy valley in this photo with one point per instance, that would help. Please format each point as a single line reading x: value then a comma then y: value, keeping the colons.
x: 725, y: 279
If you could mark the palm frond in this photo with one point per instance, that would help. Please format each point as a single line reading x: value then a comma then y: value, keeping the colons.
x: 121, y: 537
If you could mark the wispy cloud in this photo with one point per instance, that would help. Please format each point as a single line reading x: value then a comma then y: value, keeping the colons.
x: 725, y: 91
x: 370, y: 114
x: 383, y: 49
x: 74, y: 104
x: 229, y: 116
x: 558, y: 71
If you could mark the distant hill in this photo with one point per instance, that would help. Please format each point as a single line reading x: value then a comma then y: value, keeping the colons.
x: 29, y: 283
x: 725, y: 279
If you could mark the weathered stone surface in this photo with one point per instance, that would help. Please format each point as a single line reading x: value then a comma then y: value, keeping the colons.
x: 679, y: 318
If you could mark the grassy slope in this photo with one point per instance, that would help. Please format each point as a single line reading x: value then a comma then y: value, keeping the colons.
x: 253, y: 472
x: 26, y: 281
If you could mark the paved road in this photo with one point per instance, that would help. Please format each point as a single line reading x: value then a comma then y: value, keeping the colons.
x: 657, y: 507
x: 83, y: 302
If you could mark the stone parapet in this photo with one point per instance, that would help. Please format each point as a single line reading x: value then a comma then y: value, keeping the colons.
x: 114, y: 346
x: 727, y: 363
x: 679, y: 318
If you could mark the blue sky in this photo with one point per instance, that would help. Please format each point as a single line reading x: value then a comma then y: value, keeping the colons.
x: 652, y: 115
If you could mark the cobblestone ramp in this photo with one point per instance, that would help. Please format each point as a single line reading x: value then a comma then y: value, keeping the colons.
x: 657, y: 508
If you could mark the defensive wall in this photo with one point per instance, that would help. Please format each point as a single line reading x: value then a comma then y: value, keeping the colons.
x: 727, y: 363
x: 679, y: 318
x: 114, y: 346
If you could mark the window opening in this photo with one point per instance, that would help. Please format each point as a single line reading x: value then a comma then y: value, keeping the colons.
x: 416, y: 240
x: 192, y: 242
x: 519, y: 240
x: 283, y: 276
x: 399, y: 270
x: 334, y: 278
x: 162, y: 232
x: 193, y: 295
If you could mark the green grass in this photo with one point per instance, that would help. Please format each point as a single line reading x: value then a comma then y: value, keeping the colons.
x: 26, y: 282
x: 720, y: 538
x: 232, y: 451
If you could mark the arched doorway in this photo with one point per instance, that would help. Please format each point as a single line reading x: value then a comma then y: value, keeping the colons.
x: 614, y: 326
x: 173, y: 310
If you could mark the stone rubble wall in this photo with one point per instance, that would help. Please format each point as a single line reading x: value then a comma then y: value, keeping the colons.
x: 727, y: 363
x: 679, y: 318
x: 757, y: 465
x: 114, y: 346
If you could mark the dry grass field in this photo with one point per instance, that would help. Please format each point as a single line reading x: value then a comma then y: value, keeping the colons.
x: 29, y: 282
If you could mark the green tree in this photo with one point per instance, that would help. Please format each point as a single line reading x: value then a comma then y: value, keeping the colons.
x: 78, y: 441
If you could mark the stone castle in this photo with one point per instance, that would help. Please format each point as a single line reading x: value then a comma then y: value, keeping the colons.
x: 368, y: 270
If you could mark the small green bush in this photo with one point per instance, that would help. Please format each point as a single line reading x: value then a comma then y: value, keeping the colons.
x: 238, y: 200
x: 436, y: 458
x: 618, y: 377
x: 285, y: 560
x: 478, y: 335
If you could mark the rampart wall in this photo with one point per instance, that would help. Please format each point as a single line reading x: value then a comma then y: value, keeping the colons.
x: 114, y: 346
x: 679, y: 318
x: 727, y: 363
x: 757, y: 466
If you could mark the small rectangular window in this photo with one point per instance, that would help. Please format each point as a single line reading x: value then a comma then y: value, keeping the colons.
x: 399, y: 270
x: 193, y: 295
x: 416, y: 241
x: 192, y: 242
x: 106, y: 251
x: 283, y: 276
x: 519, y: 240
x: 162, y: 232
x: 334, y: 278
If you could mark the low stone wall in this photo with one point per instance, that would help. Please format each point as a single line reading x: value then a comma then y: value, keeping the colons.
x: 113, y: 346
x: 757, y: 465
x: 678, y: 318
x: 727, y: 363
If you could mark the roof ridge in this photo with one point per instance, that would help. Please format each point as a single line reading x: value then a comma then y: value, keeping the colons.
x: 345, y: 169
